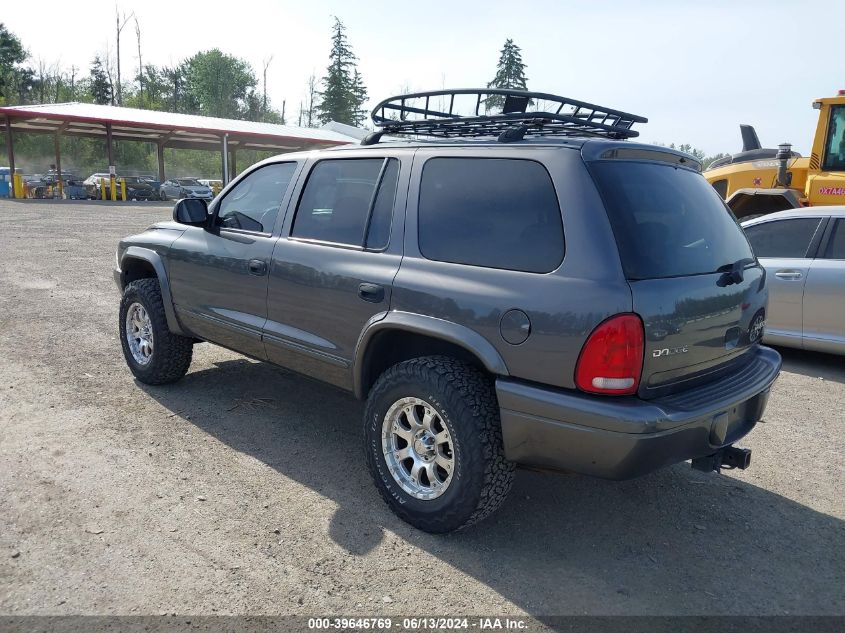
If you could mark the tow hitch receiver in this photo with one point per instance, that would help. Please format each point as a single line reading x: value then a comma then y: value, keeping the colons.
x: 728, y: 457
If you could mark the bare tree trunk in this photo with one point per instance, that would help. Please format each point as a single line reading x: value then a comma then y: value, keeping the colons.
x: 312, y: 93
x: 120, y: 26
x: 109, y: 66
x: 140, y: 64
x: 264, y: 100
x: 41, y: 80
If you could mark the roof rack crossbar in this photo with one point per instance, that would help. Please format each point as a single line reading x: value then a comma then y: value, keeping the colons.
x: 582, y: 118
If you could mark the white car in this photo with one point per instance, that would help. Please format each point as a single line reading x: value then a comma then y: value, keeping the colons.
x: 803, y: 252
x: 211, y: 184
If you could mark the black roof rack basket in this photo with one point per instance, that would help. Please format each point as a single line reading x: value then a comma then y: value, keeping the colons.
x: 509, y: 115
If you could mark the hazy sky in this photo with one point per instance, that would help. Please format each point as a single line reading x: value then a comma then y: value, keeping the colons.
x: 696, y: 69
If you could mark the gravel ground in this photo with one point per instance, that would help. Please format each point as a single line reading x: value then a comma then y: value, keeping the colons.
x: 242, y: 488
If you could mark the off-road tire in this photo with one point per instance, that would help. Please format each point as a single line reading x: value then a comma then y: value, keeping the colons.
x: 466, y: 401
x: 171, y: 354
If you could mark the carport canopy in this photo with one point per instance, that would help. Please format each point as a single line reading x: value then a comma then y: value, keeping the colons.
x: 165, y: 129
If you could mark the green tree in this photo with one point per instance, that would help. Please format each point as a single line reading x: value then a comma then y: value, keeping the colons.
x: 219, y: 84
x: 510, y: 74
x: 344, y: 93
x: 14, y: 79
x: 100, y: 86
x: 359, y: 92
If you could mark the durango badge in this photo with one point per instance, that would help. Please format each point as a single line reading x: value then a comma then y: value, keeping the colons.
x: 669, y: 351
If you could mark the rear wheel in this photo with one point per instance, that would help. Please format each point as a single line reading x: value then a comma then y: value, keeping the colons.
x: 155, y: 355
x: 162, y: 195
x: 433, y: 443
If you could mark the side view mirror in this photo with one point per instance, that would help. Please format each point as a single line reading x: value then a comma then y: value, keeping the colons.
x: 191, y: 211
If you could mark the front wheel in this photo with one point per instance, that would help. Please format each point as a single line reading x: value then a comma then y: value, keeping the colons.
x: 433, y: 443
x: 155, y: 355
x: 162, y: 195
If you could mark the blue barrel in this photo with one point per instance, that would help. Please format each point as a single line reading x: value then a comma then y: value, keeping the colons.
x: 5, y: 182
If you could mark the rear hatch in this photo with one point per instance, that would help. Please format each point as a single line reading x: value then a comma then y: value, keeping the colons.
x: 694, y: 280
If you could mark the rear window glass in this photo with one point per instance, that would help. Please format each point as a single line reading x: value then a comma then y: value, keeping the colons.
x: 668, y: 221
x: 497, y: 213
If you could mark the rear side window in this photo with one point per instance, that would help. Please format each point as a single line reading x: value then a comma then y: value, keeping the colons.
x: 497, y: 213
x: 836, y: 246
x: 344, y: 199
x: 668, y: 221
x: 783, y: 238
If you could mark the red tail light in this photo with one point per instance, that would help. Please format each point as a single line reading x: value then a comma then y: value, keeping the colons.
x: 611, y: 361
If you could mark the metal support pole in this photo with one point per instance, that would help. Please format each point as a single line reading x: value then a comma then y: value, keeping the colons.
x: 10, y: 149
x: 160, y: 161
x: 110, y: 153
x: 225, y: 151
x: 58, y: 142
x: 233, y: 161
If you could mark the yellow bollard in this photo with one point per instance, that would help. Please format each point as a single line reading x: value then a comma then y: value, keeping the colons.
x: 113, y: 189
x: 17, y: 186
x: 102, y: 189
x: 123, y: 189
x: 61, y: 189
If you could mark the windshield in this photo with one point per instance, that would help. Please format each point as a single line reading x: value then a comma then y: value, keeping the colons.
x: 668, y: 221
x: 187, y: 182
x: 834, y: 156
x: 131, y: 180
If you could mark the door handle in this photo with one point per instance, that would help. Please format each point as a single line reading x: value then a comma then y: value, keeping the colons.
x: 371, y: 292
x: 789, y: 275
x: 257, y: 267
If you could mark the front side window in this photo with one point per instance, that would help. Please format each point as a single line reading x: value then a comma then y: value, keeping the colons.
x: 348, y: 201
x: 253, y: 204
x: 788, y: 239
x: 490, y: 212
x: 834, y: 156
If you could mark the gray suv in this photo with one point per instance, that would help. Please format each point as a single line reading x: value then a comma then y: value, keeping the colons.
x: 557, y: 300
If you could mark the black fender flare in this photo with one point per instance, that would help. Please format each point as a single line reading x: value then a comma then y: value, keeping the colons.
x: 154, y: 259
x: 434, y: 327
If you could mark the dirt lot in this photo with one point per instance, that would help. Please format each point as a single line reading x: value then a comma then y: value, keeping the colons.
x: 242, y: 489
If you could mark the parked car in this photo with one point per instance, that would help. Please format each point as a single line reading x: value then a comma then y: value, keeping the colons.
x: 34, y: 185
x: 137, y: 189
x: 92, y: 185
x: 72, y: 187
x: 154, y: 183
x: 214, y: 185
x: 433, y: 280
x: 184, y: 188
x: 803, y: 252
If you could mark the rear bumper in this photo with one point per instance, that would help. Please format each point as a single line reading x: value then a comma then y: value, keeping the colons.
x: 620, y: 438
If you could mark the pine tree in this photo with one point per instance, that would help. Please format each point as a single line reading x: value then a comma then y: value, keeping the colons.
x: 343, y: 92
x: 359, y: 93
x: 101, y: 89
x: 510, y: 73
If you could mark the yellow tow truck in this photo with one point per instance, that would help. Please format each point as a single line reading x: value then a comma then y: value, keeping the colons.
x: 760, y: 180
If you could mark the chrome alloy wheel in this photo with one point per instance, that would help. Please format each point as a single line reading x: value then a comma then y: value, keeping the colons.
x: 418, y: 448
x: 139, y: 333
